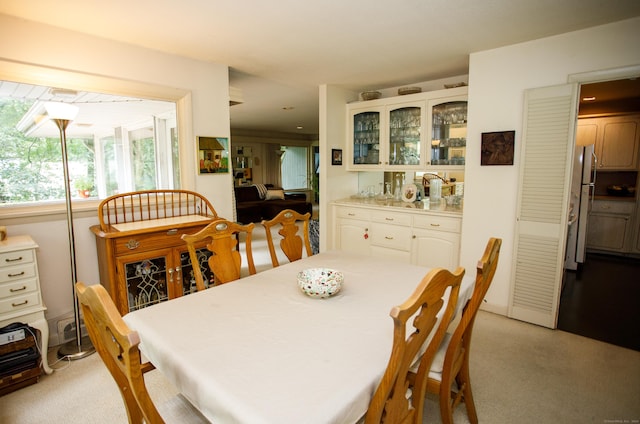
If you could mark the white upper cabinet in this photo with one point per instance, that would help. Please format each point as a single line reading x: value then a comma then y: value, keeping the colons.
x: 413, y: 132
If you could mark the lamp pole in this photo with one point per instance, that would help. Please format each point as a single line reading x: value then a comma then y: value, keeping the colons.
x: 81, y: 346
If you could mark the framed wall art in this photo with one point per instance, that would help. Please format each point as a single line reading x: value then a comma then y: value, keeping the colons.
x: 336, y: 156
x: 213, y: 155
x: 497, y: 148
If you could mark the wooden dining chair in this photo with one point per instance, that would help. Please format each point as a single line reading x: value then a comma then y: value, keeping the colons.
x: 221, y: 237
x: 117, y: 345
x: 452, y: 360
x: 399, y: 397
x: 291, y: 243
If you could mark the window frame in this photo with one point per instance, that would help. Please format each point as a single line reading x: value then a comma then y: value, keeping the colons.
x: 73, y: 80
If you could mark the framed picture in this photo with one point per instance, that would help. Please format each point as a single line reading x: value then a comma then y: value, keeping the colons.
x: 213, y: 155
x: 336, y: 156
x: 497, y: 148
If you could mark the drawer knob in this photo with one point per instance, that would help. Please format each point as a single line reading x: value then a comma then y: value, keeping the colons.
x: 388, y: 237
x: 19, y: 258
x: 20, y: 304
x: 435, y: 225
x: 133, y: 244
x: 20, y: 274
x: 172, y: 232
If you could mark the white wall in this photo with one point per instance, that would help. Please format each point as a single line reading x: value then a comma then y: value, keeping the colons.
x: 43, y: 54
x: 497, y: 82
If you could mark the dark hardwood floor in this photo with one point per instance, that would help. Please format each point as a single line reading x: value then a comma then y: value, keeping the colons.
x: 602, y: 300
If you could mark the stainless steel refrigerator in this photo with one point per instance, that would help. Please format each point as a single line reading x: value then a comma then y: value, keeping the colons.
x: 582, y: 186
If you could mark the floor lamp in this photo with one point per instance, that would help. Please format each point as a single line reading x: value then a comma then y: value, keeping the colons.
x: 61, y: 114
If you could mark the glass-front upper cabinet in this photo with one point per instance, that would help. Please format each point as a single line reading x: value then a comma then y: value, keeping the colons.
x: 365, y: 137
x: 405, y: 130
x: 386, y: 136
x: 415, y: 132
x: 448, y: 132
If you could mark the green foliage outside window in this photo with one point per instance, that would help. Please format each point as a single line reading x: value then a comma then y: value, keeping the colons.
x: 31, y: 167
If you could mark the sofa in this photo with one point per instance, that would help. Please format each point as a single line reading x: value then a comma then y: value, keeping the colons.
x: 264, y: 201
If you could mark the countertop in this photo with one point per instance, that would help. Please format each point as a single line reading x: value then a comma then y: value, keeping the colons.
x: 426, y: 206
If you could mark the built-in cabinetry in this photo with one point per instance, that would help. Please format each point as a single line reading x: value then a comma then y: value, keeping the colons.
x: 617, y: 141
x: 404, y: 234
x: 610, y: 226
x: 413, y: 132
x: 20, y: 296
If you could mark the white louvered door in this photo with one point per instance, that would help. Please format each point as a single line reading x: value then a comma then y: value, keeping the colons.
x: 545, y: 179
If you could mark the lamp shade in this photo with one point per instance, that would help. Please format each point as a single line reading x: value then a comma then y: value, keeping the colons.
x: 58, y: 110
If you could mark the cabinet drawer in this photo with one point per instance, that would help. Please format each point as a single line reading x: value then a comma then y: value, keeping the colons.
x: 15, y: 258
x: 16, y: 288
x: 436, y: 222
x: 354, y: 213
x: 613, y: 206
x: 391, y: 218
x: 18, y: 272
x: 19, y: 303
x: 392, y: 236
x: 153, y: 241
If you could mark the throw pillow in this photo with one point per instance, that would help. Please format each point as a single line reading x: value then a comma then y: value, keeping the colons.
x: 262, y: 190
x: 275, y: 195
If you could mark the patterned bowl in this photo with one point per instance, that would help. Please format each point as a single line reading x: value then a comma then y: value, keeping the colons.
x: 320, y: 282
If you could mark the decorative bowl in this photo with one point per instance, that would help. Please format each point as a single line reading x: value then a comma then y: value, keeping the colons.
x: 371, y: 95
x: 320, y: 282
x: 409, y: 90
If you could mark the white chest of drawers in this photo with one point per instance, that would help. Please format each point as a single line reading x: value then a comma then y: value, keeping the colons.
x: 20, y: 296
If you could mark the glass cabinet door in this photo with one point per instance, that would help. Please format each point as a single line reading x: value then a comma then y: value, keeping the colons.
x: 449, y: 133
x: 188, y: 279
x: 366, y: 138
x: 146, y: 282
x: 404, y: 135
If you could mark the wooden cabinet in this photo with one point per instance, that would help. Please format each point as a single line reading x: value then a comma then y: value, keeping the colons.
x: 147, y: 265
x: 610, y: 226
x: 20, y: 296
x: 617, y: 141
x: 400, y: 234
x: 413, y: 132
x: 142, y: 258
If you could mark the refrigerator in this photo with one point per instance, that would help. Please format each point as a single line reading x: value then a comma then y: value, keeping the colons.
x: 582, y: 185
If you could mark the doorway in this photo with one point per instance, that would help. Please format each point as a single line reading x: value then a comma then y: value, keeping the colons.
x: 601, y: 299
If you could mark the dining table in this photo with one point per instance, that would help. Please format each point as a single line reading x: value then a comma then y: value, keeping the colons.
x: 259, y: 350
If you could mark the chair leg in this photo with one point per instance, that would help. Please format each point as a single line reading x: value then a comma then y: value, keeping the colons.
x: 464, y: 382
x: 446, y: 404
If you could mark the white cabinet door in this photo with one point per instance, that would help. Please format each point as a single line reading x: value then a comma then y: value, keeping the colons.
x: 618, y: 142
x: 435, y: 249
x: 607, y: 231
x: 352, y: 236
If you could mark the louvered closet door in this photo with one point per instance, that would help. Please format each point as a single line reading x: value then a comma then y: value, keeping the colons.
x: 544, y: 187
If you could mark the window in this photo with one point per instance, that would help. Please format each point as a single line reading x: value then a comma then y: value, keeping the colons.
x: 116, y: 144
x: 295, y: 168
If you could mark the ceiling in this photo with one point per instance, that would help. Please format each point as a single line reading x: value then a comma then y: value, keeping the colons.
x: 280, y: 52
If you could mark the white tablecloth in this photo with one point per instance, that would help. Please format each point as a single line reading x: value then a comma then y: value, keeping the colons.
x: 258, y: 350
